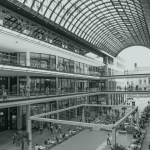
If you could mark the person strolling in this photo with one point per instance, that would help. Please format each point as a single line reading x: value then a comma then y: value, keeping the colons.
x: 108, y: 139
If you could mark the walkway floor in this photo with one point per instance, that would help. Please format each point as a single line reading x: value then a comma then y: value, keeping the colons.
x: 6, y: 137
x: 146, y: 139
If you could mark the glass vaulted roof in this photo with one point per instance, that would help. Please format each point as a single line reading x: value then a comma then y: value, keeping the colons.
x: 109, y: 25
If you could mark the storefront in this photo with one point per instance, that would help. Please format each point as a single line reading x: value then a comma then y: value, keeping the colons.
x: 66, y: 85
x: 44, y: 61
x: 3, y: 84
x: 41, y: 84
x: 67, y: 115
x: 3, y: 119
x: 81, y: 85
x: 8, y: 118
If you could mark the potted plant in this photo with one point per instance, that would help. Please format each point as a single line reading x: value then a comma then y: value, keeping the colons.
x: 118, y: 147
x: 22, y: 138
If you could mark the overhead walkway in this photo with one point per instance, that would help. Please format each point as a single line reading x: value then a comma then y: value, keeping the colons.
x: 145, y: 75
x: 20, y: 102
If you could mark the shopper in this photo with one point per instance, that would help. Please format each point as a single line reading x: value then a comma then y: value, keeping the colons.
x: 36, y: 147
x: 47, y: 91
x: 14, y: 138
x: 51, y: 128
x: 27, y: 92
x: 41, y: 130
x: 59, y: 128
x: 22, y: 92
x: 56, y: 127
x: 4, y: 95
x: 36, y: 91
x: 108, y: 139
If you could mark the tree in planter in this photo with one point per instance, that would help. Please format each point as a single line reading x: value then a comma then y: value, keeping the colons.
x: 21, y: 139
x: 118, y: 147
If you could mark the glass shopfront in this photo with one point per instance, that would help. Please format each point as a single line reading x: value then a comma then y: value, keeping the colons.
x: 81, y: 85
x: 66, y: 85
x: 93, y: 99
x: 41, y: 84
x: 65, y: 65
x: 3, y: 84
x: 67, y: 115
x: 44, y: 61
x: 3, y: 119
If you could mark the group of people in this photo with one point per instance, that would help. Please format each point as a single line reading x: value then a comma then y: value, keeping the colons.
x: 62, y: 136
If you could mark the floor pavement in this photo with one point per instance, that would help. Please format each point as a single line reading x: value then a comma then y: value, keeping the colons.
x: 6, y: 136
x: 146, y: 140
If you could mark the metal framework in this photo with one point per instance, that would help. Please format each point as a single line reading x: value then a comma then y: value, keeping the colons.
x: 109, y: 25
x: 107, y: 127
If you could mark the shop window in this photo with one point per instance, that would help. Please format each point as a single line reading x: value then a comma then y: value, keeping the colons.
x: 52, y: 62
x: 78, y: 67
x: 60, y: 64
x: 35, y: 60
x: 22, y: 59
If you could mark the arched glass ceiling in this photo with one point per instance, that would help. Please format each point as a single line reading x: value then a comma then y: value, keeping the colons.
x: 110, y: 25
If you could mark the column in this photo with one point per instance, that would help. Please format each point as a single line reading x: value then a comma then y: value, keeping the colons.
x: 137, y: 119
x: 88, y: 85
x: 113, y: 136
x: 8, y: 118
x: 18, y: 59
x: 75, y: 67
x: 28, y: 81
x: 27, y: 58
x: 76, y: 115
x: 30, y: 135
x: 75, y: 85
x: 57, y: 103
x: 57, y: 87
x: 18, y: 86
x: 19, y: 117
x: 106, y: 81
x: 28, y: 126
x: 83, y: 115
x: 8, y: 85
x: 57, y: 67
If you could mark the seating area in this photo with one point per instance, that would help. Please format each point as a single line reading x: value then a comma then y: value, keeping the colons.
x: 138, y: 136
x: 50, y: 143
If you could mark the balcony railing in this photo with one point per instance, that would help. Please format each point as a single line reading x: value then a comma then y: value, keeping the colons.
x: 22, y: 61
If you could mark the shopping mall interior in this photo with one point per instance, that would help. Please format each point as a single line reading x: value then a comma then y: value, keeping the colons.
x: 65, y: 83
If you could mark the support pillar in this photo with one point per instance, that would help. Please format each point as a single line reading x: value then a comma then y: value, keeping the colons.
x: 76, y: 115
x: 57, y: 87
x: 28, y: 81
x: 27, y: 58
x: 113, y: 136
x: 9, y: 85
x: 19, y: 117
x: 30, y: 135
x: 137, y: 120
x: 18, y: 86
x: 8, y: 118
x: 75, y: 85
x: 83, y: 115
x: 28, y: 126
x: 57, y: 64
x: 57, y: 103
x: 18, y: 59
x: 106, y: 81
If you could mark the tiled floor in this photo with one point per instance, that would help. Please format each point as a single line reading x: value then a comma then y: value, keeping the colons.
x: 6, y: 137
x: 146, y: 141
